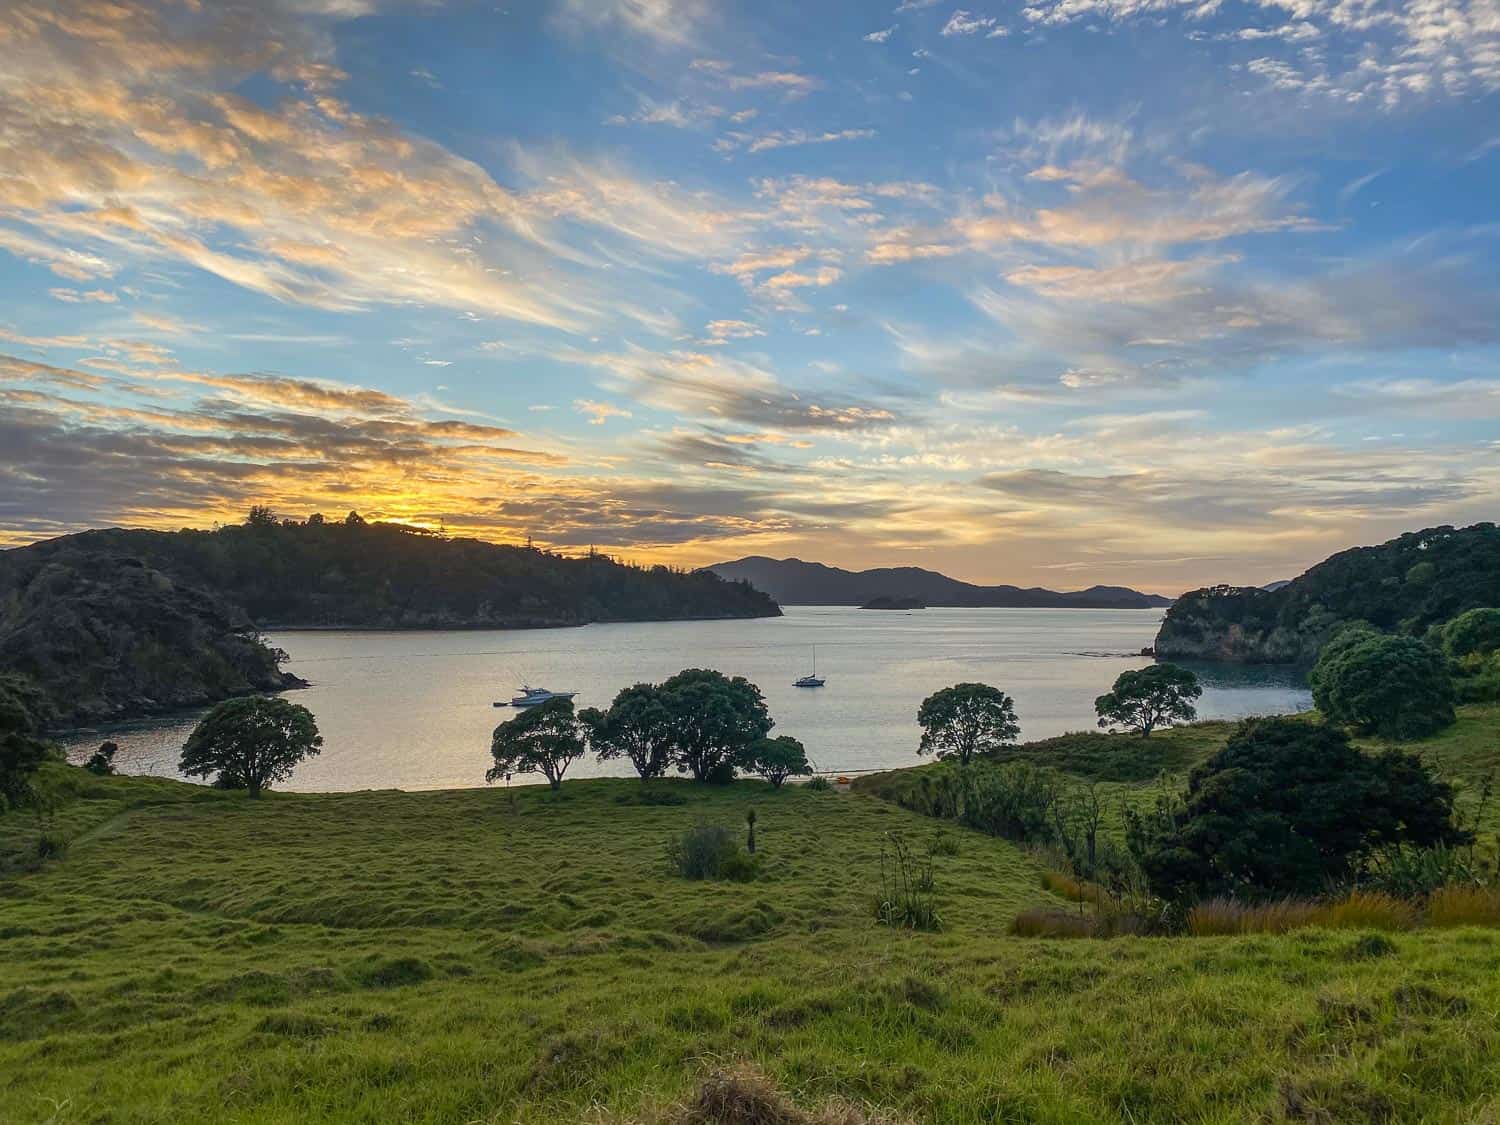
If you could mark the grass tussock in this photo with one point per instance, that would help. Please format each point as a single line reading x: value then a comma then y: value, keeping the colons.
x: 1464, y: 906
x: 1050, y: 922
x: 1358, y: 910
x: 742, y: 1095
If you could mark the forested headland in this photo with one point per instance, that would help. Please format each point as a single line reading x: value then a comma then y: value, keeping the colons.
x: 115, y: 623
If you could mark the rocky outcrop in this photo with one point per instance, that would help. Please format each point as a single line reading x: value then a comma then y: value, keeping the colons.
x: 108, y: 637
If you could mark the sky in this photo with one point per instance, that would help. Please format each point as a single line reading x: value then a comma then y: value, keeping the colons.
x: 1160, y: 293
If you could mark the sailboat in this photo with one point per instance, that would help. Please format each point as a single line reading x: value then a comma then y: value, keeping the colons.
x: 813, y: 679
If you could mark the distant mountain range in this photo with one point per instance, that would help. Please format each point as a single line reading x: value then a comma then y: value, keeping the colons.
x: 794, y: 582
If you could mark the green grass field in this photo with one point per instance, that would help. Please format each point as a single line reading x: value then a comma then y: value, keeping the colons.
x: 456, y: 957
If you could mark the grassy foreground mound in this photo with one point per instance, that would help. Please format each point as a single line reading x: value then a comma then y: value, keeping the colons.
x: 462, y: 957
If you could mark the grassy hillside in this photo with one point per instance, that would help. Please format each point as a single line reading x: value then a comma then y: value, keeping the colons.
x: 453, y: 957
x: 1128, y: 768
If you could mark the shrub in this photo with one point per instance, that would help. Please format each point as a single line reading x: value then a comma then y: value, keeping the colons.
x: 1475, y: 633
x: 1395, y: 687
x: 710, y: 851
x: 1416, y: 872
x: 22, y: 712
x: 1015, y: 800
x: 944, y: 843
x: 819, y: 784
x: 905, y: 898
x: 51, y: 845
x: 1288, y: 807
x: 102, y: 762
x: 1464, y: 906
x: 720, y: 773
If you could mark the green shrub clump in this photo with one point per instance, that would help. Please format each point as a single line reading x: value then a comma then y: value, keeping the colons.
x: 1394, y: 687
x: 711, y: 851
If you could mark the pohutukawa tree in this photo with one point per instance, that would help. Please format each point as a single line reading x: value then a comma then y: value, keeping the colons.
x: 717, y: 720
x: 967, y: 719
x: 1395, y: 687
x: 638, y: 725
x: 777, y: 759
x: 251, y: 742
x: 544, y: 739
x: 1146, y: 698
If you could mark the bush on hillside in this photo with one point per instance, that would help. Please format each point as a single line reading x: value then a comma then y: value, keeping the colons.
x: 1471, y: 642
x: 102, y: 762
x: 711, y: 851
x: 22, y: 750
x: 1288, y: 807
x: 1394, y: 687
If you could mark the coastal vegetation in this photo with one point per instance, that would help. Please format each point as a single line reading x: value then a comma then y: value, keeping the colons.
x: 116, y: 623
x: 1407, y: 585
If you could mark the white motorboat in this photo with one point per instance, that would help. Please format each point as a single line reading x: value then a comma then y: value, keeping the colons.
x: 813, y: 679
x: 531, y: 696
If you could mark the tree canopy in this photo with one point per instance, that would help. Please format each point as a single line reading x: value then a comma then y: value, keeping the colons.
x: 21, y: 748
x: 544, y: 739
x: 251, y: 742
x: 639, y: 725
x: 1405, y: 585
x: 967, y: 719
x: 777, y: 759
x: 1287, y: 807
x: 1395, y: 687
x: 717, y: 719
x: 1146, y: 698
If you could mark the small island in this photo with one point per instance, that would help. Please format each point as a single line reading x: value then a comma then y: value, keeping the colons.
x: 888, y: 601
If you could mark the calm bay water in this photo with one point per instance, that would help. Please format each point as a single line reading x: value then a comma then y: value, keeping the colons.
x: 412, y: 710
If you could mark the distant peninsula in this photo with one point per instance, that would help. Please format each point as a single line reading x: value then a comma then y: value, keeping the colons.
x: 1403, y: 585
x: 795, y: 582
x: 118, y: 623
x: 888, y: 601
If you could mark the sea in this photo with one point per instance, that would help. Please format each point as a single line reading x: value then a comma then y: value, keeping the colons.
x: 414, y: 709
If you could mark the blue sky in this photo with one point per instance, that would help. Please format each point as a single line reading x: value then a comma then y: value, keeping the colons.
x: 1079, y: 291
